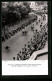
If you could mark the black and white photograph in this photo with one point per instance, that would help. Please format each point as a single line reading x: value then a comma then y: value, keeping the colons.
x: 24, y: 35
x: 25, y: 30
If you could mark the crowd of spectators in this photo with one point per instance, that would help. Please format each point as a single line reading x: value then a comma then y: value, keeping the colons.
x: 36, y: 43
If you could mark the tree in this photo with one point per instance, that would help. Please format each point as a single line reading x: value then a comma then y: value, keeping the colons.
x: 13, y: 13
x: 4, y: 17
x: 9, y: 14
x: 27, y: 6
x: 23, y: 10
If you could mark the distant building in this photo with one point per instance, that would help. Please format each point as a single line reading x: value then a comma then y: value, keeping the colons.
x: 37, y: 5
x: 34, y: 6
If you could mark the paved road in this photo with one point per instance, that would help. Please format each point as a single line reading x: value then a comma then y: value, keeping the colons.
x: 44, y: 57
x: 17, y: 42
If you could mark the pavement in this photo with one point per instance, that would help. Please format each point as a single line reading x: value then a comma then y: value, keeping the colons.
x: 17, y: 41
x: 42, y: 57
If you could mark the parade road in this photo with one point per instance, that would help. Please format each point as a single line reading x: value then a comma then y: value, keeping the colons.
x: 16, y: 42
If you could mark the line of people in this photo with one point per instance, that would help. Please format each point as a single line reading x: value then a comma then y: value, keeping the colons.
x: 22, y: 26
x: 36, y: 43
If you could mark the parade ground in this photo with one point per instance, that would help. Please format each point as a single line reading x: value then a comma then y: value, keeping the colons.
x: 17, y: 42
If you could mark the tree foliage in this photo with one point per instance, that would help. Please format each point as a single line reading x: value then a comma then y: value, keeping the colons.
x: 23, y: 10
x: 12, y: 13
x: 27, y: 6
